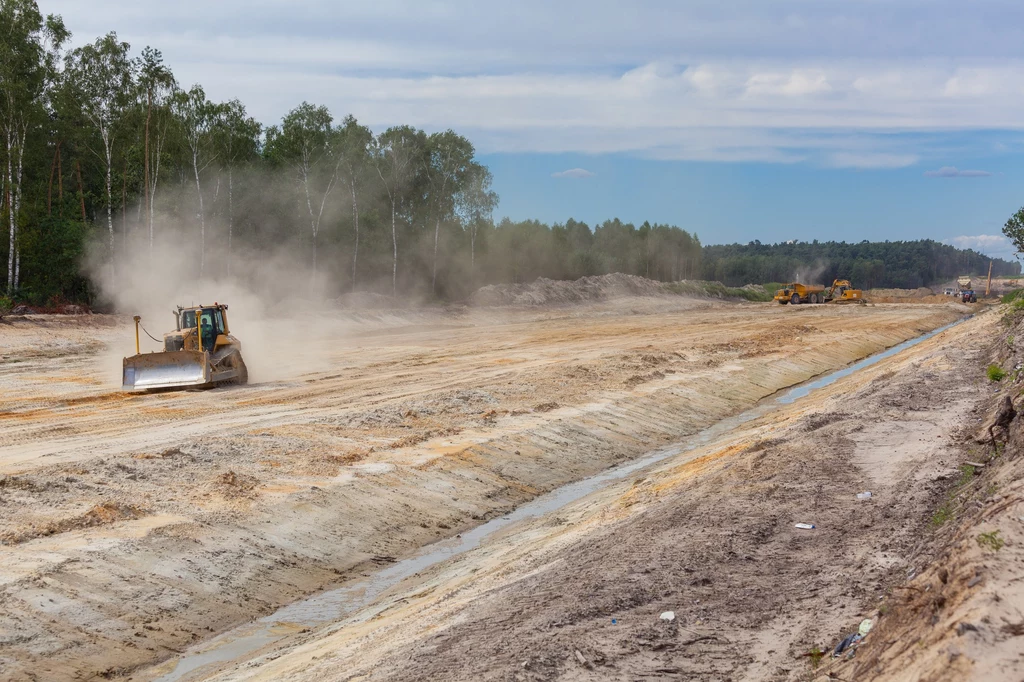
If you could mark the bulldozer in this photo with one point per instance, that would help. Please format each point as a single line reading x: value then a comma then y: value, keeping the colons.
x: 843, y: 292
x: 199, y: 353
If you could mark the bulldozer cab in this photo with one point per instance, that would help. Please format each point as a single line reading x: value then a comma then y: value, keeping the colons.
x: 211, y: 323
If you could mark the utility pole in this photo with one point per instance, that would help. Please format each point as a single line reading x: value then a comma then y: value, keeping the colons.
x: 988, y: 287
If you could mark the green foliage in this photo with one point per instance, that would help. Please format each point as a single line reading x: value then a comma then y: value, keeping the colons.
x: 991, y: 540
x: 1014, y: 230
x: 6, y: 305
x: 995, y: 373
x: 943, y: 514
x: 815, y: 656
x: 1013, y: 296
x: 868, y: 265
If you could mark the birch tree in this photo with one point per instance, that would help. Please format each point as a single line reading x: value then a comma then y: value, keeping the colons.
x: 450, y: 156
x: 28, y: 48
x: 196, y: 117
x: 238, y: 137
x: 475, y: 203
x: 158, y: 84
x: 396, y: 153
x: 354, y: 149
x: 305, y: 142
x: 104, y: 77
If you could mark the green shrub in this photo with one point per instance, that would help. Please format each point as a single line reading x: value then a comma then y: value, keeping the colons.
x: 1015, y: 295
x: 991, y: 540
x: 6, y: 305
x: 995, y: 373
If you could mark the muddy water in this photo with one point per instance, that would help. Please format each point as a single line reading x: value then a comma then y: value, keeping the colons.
x: 342, y: 602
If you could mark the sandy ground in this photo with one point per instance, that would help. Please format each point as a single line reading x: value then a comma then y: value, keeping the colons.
x: 708, y: 535
x: 137, y: 525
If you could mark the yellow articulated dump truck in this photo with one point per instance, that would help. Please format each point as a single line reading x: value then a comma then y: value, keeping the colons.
x: 199, y: 353
x: 797, y: 293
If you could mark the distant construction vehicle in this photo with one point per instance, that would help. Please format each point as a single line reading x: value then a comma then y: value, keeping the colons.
x: 843, y: 292
x: 840, y: 292
x: 200, y: 353
x: 964, y: 282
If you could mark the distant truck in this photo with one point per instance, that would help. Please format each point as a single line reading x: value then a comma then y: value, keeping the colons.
x: 964, y: 282
x: 797, y: 293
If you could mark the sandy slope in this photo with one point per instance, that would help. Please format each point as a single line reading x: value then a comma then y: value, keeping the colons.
x: 709, y: 535
x: 137, y: 525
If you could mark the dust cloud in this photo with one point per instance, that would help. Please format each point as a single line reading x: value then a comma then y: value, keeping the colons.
x: 811, y: 274
x: 276, y: 309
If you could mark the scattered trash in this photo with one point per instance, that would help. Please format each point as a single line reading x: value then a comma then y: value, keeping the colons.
x: 668, y: 616
x: 847, y: 642
x: 580, y: 657
x: 614, y: 621
x: 866, y: 495
x: 850, y: 642
x: 805, y: 526
x: 976, y: 465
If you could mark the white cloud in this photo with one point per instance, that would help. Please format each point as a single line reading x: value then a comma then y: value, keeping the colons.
x: 790, y: 80
x: 954, y: 172
x: 574, y: 173
x: 993, y: 245
x: 796, y: 83
x: 871, y: 160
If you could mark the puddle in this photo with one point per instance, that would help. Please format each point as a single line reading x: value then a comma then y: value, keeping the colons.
x: 339, y: 603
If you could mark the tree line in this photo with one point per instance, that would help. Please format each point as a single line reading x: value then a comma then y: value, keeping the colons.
x: 897, y: 264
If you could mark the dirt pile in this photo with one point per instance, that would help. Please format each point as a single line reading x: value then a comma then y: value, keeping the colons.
x: 561, y: 292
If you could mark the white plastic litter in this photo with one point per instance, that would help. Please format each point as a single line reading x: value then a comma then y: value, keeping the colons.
x: 805, y: 526
x: 866, y: 495
x: 668, y: 616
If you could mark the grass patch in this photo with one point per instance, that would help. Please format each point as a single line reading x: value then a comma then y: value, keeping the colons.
x: 1013, y: 296
x: 995, y: 373
x: 991, y: 540
x: 943, y: 514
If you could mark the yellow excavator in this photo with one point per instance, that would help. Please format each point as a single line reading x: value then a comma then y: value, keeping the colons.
x: 199, y: 353
x: 843, y: 292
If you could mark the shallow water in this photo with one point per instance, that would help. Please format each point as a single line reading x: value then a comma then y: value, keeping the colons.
x: 339, y: 603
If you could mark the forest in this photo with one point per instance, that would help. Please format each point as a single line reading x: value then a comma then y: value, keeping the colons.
x: 901, y: 264
x: 109, y: 163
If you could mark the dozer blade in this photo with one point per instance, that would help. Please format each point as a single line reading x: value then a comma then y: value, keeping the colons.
x: 171, y: 369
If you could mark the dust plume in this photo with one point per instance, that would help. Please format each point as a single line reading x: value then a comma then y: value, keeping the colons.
x: 810, y: 274
x: 276, y: 309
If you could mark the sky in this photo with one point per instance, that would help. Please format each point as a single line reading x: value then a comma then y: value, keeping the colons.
x: 740, y: 120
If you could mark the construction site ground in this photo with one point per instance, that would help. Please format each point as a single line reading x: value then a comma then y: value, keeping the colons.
x: 137, y: 526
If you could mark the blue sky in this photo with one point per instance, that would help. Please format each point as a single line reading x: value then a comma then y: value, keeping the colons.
x: 740, y: 120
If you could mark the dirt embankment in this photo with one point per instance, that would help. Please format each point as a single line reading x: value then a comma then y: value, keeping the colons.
x: 962, y: 614
x: 578, y: 594
x: 239, y: 501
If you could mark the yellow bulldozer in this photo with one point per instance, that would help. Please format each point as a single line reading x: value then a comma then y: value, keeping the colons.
x: 199, y: 353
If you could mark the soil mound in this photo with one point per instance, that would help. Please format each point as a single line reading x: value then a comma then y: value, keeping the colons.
x: 558, y: 292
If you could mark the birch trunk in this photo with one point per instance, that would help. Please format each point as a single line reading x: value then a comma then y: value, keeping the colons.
x: 202, y: 217
x: 231, y: 217
x: 355, y: 214
x: 155, y: 178
x: 110, y: 199
x: 394, y: 262
x: 10, y: 214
